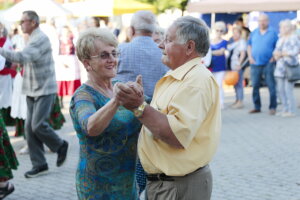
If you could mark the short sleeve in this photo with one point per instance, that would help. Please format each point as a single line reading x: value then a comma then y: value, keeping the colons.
x: 81, y: 108
x: 278, y: 46
x: 249, y: 42
x: 187, y: 111
x: 224, y: 44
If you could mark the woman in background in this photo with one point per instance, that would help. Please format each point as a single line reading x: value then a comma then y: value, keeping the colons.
x: 218, y: 63
x: 67, y: 69
x: 8, y: 161
x: 286, y: 53
x: 237, y: 51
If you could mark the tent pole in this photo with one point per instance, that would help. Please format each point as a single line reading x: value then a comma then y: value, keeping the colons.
x: 212, y: 20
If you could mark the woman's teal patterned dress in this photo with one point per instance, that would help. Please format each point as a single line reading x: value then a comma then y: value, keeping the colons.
x: 106, y: 168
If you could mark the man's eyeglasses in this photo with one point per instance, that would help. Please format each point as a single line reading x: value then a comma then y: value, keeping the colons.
x: 25, y: 20
x: 105, y: 55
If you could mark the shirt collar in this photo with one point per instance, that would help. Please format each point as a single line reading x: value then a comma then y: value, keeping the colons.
x: 181, y: 71
x: 138, y: 38
x: 35, y: 31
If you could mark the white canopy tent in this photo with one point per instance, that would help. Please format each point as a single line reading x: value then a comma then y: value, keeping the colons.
x: 91, y: 8
x: 107, y: 7
x: 227, y: 6
x: 44, y: 8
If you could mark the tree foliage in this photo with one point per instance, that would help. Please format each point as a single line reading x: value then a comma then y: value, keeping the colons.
x: 162, y: 5
x: 5, y: 5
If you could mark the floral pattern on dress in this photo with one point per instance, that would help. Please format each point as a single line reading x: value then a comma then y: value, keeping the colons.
x: 106, y: 168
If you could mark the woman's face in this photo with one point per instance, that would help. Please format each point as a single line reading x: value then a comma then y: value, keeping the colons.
x: 236, y: 35
x: 103, y: 61
x: 219, y: 32
x: 284, y: 29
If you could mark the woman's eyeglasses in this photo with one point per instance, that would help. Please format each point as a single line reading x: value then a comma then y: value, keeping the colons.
x: 219, y: 31
x: 105, y: 55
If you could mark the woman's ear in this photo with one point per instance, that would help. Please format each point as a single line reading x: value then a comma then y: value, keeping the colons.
x: 86, y: 64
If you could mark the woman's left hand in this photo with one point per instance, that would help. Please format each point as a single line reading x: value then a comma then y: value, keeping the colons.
x: 131, y: 94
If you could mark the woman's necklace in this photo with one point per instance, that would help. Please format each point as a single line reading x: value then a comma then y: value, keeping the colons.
x: 100, y: 89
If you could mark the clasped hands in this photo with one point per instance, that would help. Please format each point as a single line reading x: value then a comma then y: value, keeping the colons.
x: 130, y: 94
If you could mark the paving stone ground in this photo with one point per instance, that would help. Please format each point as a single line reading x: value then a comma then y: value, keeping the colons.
x: 258, y: 158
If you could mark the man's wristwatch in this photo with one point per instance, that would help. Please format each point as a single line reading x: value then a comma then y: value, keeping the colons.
x: 138, y: 112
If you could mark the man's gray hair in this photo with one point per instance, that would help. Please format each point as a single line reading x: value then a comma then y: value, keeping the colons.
x: 32, y: 15
x: 144, y: 21
x: 191, y: 28
x: 85, y: 45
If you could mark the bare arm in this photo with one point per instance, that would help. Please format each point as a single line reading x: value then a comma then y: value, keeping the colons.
x: 277, y: 55
x: 242, y: 57
x: 154, y: 120
x: 101, y: 119
x: 158, y: 124
x: 218, y: 52
x: 251, y: 59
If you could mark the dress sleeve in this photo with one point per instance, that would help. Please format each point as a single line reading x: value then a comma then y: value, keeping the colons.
x: 249, y: 42
x: 82, y: 107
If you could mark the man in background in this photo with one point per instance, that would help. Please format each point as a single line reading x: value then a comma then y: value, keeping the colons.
x: 261, y: 44
x: 39, y: 86
x: 141, y: 55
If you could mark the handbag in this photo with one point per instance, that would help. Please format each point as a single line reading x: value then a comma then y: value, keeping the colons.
x: 231, y: 77
x: 293, y: 72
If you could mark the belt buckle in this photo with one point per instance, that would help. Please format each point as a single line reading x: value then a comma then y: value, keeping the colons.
x: 159, y: 177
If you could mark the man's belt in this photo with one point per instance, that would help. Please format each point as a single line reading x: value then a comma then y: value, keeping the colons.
x: 164, y: 177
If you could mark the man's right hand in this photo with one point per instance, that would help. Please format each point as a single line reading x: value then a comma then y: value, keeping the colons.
x: 251, y: 61
x: 131, y: 94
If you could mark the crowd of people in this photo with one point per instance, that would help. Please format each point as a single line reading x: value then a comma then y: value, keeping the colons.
x: 267, y: 53
x: 147, y: 105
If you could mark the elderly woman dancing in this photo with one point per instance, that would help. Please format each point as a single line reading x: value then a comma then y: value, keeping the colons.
x: 107, y: 131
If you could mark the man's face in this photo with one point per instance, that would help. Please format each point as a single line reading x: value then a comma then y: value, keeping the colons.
x: 27, y: 25
x: 263, y: 22
x: 173, y: 51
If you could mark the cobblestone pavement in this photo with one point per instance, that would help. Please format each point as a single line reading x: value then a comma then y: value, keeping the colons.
x: 258, y: 158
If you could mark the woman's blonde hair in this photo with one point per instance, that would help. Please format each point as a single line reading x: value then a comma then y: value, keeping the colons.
x: 288, y: 24
x: 221, y: 26
x: 85, y: 45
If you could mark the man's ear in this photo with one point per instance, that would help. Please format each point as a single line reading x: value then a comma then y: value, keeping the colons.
x: 132, y: 31
x: 34, y: 24
x: 191, y: 46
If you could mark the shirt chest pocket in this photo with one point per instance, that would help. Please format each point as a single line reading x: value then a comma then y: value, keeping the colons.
x: 165, y: 97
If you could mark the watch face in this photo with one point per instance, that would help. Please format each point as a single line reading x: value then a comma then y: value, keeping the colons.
x: 137, y: 113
